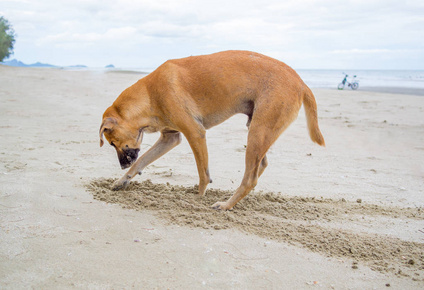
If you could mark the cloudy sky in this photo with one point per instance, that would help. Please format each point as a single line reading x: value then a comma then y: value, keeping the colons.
x: 306, y: 34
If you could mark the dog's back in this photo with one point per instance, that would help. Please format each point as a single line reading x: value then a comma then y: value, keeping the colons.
x: 234, y: 69
x: 226, y: 83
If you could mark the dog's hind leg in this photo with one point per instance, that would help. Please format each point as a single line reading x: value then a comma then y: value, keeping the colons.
x: 257, y: 146
x: 264, y: 162
x: 266, y: 126
x: 166, y: 142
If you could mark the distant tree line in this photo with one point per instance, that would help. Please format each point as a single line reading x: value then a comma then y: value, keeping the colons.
x: 7, y: 38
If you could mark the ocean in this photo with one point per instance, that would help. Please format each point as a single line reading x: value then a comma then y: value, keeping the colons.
x: 413, y: 79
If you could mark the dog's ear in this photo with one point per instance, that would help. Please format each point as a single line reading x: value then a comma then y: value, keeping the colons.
x: 107, y: 124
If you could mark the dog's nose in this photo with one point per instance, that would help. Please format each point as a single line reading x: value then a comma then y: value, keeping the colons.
x: 127, y: 157
x: 125, y: 166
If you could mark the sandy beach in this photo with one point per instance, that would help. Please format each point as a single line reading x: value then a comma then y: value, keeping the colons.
x: 347, y: 216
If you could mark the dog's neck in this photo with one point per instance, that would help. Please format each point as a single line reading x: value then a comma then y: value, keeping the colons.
x: 133, y: 106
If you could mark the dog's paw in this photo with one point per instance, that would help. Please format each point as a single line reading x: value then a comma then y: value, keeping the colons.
x: 118, y: 185
x: 221, y: 206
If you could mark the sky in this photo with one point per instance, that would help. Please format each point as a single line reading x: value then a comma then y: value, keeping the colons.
x: 305, y: 34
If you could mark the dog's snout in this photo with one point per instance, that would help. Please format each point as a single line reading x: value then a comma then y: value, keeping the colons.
x: 127, y: 157
x: 132, y: 154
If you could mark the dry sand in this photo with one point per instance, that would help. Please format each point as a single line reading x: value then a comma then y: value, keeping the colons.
x: 348, y: 216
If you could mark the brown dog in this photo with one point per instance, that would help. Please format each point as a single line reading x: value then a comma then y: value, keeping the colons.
x: 193, y: 94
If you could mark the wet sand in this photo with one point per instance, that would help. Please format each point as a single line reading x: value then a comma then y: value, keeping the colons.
x: 348, y: 216
x: 395, y: 90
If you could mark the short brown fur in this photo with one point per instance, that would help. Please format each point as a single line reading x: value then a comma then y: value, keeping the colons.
x: 193, y: 94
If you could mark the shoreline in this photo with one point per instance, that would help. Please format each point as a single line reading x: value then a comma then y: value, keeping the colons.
x: 394, y: 90
x: 382, y: 90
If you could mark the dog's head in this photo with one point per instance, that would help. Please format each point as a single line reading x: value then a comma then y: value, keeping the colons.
x: 125, y: 139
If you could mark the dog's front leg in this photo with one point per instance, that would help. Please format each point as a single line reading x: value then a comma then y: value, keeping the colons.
x: 197, y: 140
x: 166, y: 142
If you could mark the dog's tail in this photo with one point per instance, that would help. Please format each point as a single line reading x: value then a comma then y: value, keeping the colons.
x: 312, y: 117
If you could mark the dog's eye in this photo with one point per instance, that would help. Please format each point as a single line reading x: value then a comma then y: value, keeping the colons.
x: 111, y: 144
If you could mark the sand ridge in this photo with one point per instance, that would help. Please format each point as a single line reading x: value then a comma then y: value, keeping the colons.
x: 300, y: 221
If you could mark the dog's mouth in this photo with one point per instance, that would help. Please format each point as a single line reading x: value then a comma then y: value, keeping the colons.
x: 128, y: 157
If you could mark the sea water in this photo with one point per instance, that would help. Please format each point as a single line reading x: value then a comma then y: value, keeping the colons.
x: 366, y: 78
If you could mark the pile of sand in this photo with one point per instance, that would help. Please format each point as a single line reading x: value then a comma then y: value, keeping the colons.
x: 308, y: 222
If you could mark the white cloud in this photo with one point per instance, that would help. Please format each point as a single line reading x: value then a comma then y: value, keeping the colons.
x: 112, y: 34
